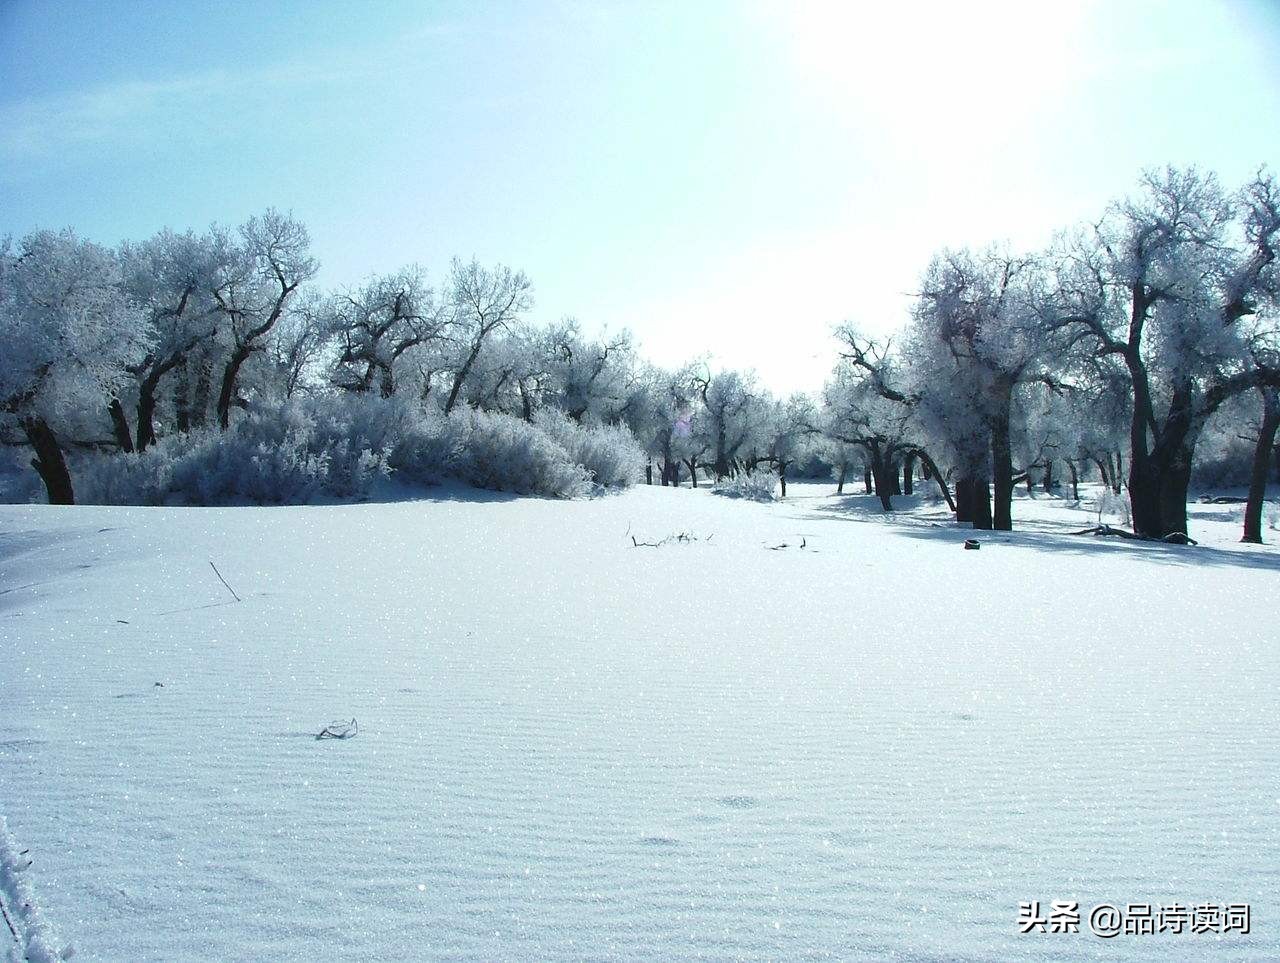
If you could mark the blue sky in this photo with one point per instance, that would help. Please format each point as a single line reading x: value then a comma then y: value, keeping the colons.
x: 721, y: 177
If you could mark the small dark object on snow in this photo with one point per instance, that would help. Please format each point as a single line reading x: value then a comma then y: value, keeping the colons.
x: 158, y: 685
x: 338, y: 730
x: 972, y: 543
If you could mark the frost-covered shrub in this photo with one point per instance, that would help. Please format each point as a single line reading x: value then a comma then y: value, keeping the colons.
x: 19, y: 483
x: 610, y: 453
x: 136, y: 479
x: 507, y: 454
x: 1111, y: 505
x: 430, y: 449
x: 757, y: 486
x: 284, y: 454
x: 338, y: 447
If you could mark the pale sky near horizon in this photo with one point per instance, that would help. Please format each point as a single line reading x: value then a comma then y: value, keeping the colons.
x: 731, y: 178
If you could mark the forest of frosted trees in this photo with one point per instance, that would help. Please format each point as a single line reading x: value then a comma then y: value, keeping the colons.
x: 1141, y: 349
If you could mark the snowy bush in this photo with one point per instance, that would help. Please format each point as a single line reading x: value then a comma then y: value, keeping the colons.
x: 611, y: 454
x: 504, y: 453
x: 757, y: 486
x: 286, y: 454
x: 1109, y: 504
x: 430, y: 450
x: 19, y: 484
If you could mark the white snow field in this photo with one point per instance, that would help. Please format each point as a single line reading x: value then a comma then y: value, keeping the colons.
x: 570, y: 747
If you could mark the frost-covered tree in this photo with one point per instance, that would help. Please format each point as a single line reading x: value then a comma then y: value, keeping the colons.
x: 863, y: 410
x: 70, y: 332
x: 1179, y: 283
x: 375, y: 324
x: 257, y: 276
x: 482, y: 301
x: 299, y: 343
x: 787, y: 431
x: 588, y: 378
x: 982, y: 309
x: 170, y: 276
x: 727, y: 400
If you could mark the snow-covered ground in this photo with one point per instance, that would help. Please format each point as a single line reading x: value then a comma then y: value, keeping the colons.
x: 569, y: 746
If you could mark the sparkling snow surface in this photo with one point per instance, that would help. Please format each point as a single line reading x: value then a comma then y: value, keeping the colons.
x: 872, y: 747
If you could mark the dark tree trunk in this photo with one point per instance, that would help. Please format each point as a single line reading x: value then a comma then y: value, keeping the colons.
x: 884, y: 474
x: 722, y: 458
x: 49, y: 462
x: 120, y: 425
x: 931, y: 471
x: 200, y: 398
x: 693, y: 472
x: 1261, y: 465
x: 1102, y: 472
x: 867, y: 480
x: 181, y: 405
x: 1075, y: 480
x: 782, y: 477
x: 147, y: 410
x: 982, y: 504
x: 1174, y: 485
x: 844, y: 470
x: 1031, y: 489
x: 1002, y: 468
x: 1048, y: 476
x: 229, y: 376
x: 908, y: 473
x: 1144, y: 495
x: 964, y: 499
x: 648, y: 472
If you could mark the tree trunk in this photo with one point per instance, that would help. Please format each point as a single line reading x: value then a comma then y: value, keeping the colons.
x: 931, y: 471
x: 648, y: 472
x: 181, y: 406
x: 1174, y: 485
x: 120, y: 425
x: 1048, y: 476
x: 693, y: 472
x: 147, y: 410
x: 884, y: 475
x: 1261, y: 465
x: 964, y: 499
x: 908, y: 473
x: 982, y: 503
x: 1002, y: 467
x: 782, y: 477
x: 49, y: 462
x: 867, y: 481
x: 1075, y: 480
x: 229, y: 376
x: 200, y: 398
x: 844, y: 470
x: 722, y: 460
x: 1102, y: 472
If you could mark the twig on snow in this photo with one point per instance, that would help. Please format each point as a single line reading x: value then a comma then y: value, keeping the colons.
x: 339, y: 730
x: 224, y: 581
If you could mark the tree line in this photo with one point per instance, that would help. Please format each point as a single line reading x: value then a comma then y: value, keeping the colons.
x: 1111, y: 352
